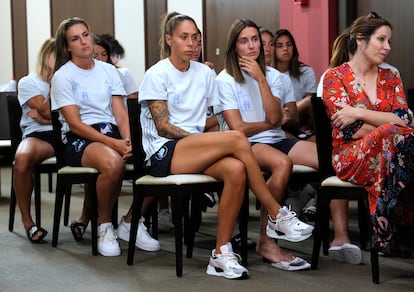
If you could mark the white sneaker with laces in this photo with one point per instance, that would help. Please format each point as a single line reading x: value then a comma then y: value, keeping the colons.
x: 144, y: 240
x: 226, y: 264
x: 107, y: 244
x: 288, y: 227
x: 164, y: 221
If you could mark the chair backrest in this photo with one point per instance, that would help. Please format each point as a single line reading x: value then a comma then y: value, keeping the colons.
x: 4, y: 117
x: 57, y: 135
x: 15, y: 114
x: 134, y: 112
x: 323, y: 133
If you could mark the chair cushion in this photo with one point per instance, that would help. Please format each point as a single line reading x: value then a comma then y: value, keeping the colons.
x: 76, y: 169
x: 5, y: 143
x: 334, y: 181
x: 50, y: 160
x: 176, y: 179
x: 297, y: 168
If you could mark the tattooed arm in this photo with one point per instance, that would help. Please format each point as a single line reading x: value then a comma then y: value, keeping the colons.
x: 159, y: 112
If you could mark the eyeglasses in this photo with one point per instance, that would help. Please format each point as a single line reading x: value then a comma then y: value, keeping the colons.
x: 373, y: 14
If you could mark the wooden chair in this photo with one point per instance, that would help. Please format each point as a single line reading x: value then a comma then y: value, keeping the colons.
x: 332, y: 187
x: 48, y: 166
x: 179, y: 187
x: 65, y: 178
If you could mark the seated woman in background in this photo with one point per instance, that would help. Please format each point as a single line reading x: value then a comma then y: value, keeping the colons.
x: 175, y: 94
x: 37, y: 141
x: 296, y: 122
x: 251, y: 102
x: 372, y: 143
x: 95, y: 127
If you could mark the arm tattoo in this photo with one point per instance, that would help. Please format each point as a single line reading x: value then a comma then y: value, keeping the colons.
x: 159, y: 112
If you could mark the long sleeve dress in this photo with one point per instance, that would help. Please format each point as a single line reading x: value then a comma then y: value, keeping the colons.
x: 382, y: 160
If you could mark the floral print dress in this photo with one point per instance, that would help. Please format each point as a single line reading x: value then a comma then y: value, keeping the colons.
x: 382, y: 160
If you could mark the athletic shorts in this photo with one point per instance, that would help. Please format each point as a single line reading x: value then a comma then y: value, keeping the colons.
x: 46, y: 136
x: 285, y: 145
x: 76, y: 145
x: 159, y: 164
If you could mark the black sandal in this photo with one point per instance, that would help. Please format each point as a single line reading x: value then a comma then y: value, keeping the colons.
x: 35, y: 231
x: 78, y: 229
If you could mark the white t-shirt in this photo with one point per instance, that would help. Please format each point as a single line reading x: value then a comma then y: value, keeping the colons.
x: 246, y: 98
x: 28, y: 87
x: 90, y: 90
x: 305, y: 83
x: 188, y: 95
x: 128, y: 81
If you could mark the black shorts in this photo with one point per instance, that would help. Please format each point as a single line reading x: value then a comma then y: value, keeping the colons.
x: 76, y: 145
x: 46, y: 136
x: 159, y: 164
x: 285, y: 145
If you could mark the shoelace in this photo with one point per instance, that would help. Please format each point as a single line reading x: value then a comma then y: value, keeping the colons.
x: 108, y: 237
x: 232, y: 258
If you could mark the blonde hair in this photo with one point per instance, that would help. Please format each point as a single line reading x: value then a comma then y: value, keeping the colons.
x: 42, y: 68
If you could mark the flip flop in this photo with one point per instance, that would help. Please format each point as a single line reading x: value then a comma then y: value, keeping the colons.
x: 296, y: 264
x: 346, y: 253
x: 34, y: 231
x: 78, y: 229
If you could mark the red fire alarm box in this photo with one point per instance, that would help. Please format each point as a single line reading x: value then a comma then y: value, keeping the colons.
x: 301, y: 2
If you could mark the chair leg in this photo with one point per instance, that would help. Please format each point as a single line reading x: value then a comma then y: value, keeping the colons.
x: 50, y: 180
x: 93, y: 211
x: 137, y: 203
x: 115, y: 215
x: 375, y: 265
x: 192, y: 219
x: 66, y: 211
x: 37, y: 197
x: 12, y: 211
x: 243, y: 223
x: 363, y: 222
x: 60, y: 193
x: 177, y: 214
x: 319, y: 228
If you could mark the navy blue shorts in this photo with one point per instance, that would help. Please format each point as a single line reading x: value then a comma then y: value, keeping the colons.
x: 76, y: 145
x: 160, y: 163
x: 46, y: 136
x: 285, y: 145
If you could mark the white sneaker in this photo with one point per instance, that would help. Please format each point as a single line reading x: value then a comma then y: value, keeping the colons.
x: 164, y: 221
x: 288, y: 227
x: 107, y: 244
x: 226, y: 264
x: 144, y: 240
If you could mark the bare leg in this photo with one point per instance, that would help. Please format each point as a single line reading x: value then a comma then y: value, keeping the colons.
x: 213, y: 146
x: 108, y: 185
x: 232, y: 172
x: 339, y: 213
x: 304, y: 153
x: 30, y: 152
x: 280, y: 166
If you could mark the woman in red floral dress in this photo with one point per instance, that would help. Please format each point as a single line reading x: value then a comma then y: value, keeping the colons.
x: 373, y: 143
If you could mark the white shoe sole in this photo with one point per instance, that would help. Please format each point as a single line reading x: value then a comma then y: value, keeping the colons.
x: 297, y: 264
x: 211, y: 270
x: 346, y: 253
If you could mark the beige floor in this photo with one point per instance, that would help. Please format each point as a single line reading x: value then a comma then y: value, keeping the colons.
x: 71, y: 267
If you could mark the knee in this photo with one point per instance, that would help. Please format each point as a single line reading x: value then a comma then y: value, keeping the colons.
x: 239, y: 139
x: 235, y: 172
x: 23, y: 162
x: 113, y: 166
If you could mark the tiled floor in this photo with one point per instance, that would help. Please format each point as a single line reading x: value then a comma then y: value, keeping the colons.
x: 71, y: 267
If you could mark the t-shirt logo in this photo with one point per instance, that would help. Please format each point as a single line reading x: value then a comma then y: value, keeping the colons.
x: 162, y: 153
